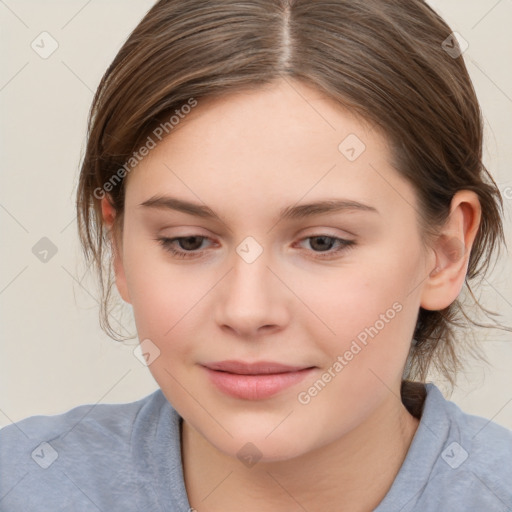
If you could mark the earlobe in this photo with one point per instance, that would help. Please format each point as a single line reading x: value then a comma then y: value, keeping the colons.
x: 452, y: 251
x: 109, y: 213
x: 107, y: 210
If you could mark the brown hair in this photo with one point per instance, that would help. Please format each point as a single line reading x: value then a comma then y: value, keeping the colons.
x: 384, y: 59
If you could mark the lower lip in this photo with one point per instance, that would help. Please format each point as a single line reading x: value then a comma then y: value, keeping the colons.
x: 255, y: 387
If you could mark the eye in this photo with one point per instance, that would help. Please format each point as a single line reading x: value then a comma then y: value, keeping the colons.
x: 322, y: 245
x: 189, y: 245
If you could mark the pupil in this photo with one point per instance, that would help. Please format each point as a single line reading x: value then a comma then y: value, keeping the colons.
x: 185, y: 241
x: 322, y: 245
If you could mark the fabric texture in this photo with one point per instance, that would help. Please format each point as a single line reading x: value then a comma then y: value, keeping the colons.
x: 127, y: 457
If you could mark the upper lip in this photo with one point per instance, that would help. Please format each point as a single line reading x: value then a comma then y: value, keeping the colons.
x: 257, y: 368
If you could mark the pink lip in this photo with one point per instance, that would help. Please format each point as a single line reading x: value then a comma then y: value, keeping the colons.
x: 254, y: 381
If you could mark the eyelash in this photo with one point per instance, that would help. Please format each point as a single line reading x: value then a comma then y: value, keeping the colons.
x: 167, y: 244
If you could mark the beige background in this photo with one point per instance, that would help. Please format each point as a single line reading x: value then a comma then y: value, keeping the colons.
x: 53, y: 354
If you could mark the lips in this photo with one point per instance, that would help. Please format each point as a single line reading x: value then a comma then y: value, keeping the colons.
x: 258, y: 368
x: 254, y: 381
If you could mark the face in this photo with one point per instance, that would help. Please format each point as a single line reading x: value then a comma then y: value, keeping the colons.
x: 256, y: 276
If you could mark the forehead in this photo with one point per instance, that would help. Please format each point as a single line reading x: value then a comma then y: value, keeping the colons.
x: 272, y: 145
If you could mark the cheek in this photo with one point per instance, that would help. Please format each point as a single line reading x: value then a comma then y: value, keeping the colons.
x: 373, y: 320
x: 166, y: 307
x: 162, y: 294
x: 372, y: 301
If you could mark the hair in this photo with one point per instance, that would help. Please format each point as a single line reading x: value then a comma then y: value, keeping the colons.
x: 385, y: 60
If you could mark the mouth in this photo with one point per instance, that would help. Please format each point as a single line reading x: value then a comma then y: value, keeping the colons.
x: 254, y: 381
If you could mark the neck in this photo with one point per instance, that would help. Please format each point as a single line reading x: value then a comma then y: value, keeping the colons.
x: 354, y: 473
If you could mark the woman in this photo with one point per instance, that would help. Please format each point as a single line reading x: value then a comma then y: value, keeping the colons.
x: 294, y: 197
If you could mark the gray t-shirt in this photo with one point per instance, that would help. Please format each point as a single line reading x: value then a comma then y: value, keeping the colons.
x: 126, y: 457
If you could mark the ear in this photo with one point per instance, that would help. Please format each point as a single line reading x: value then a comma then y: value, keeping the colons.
x: 452, y: 250
x: 109, y: 213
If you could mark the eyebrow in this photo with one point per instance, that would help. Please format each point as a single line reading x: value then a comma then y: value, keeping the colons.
x: 290, y: 212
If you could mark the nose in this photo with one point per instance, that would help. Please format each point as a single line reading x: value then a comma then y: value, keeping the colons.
x: 251, y: 300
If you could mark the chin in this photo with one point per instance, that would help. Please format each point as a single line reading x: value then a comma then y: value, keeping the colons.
x: 255, y: 447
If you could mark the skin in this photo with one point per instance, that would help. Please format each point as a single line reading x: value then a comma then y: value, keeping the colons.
x: 246, y: 156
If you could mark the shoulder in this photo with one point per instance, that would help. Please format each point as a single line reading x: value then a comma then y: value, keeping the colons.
x: 60, y: 457
x: 472, y: 467
x: 101, y: 422
x: 456, y: 461
x: 479, y: 452
x: 485, y: 445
